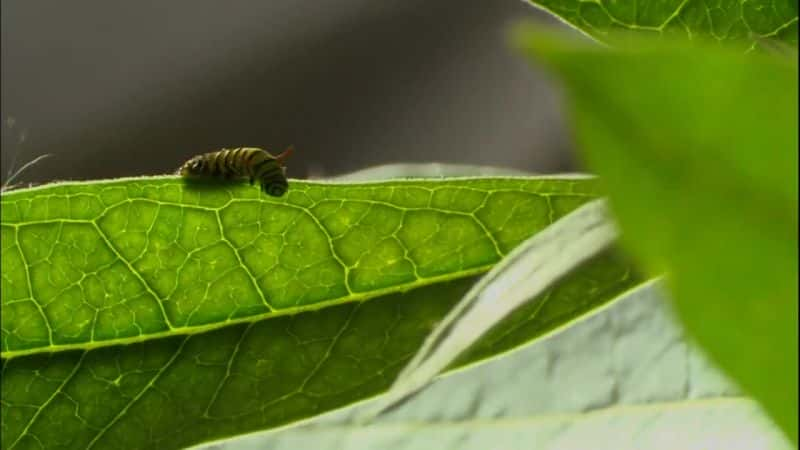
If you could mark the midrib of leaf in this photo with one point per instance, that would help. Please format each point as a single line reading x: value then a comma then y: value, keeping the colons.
x: 200, y: 329
x: 571, y: 191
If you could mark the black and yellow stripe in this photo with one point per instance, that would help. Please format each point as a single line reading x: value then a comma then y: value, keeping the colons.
x: 244, y: 162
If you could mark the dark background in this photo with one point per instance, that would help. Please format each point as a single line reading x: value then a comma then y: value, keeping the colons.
x: 135, y: 88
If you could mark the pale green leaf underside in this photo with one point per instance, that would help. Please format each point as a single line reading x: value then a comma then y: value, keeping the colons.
x: 695, y: 425
x: 622, y: 379
x: 104, y: 263
x: 736, y: 20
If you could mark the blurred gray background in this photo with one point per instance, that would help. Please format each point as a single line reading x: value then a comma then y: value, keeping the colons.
x: 135, y: 88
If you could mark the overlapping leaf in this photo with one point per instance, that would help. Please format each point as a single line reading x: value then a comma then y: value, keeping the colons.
x: 622, y: 379
x: 751, y: 22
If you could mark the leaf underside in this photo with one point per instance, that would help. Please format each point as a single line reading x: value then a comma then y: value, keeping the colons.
x: 628, y: 367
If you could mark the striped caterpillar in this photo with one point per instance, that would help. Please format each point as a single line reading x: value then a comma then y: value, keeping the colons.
x: 244, y: 162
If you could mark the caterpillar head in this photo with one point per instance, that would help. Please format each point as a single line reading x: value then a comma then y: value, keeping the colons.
x: 275, y: 189
x: 192, y: 167
x: 278, y: 188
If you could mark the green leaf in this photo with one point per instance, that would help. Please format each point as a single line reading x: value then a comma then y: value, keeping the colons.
x: 111, y: 263
x: 744, y: 21
x: 623, y: 379
x: 698, y: 148
x: 147, y: 313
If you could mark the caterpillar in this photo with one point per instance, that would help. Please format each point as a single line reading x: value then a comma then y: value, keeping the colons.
x: 249, y: 162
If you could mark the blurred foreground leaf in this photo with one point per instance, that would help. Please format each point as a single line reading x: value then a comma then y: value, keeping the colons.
x: 698, y: 149
x: 147, y: 313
